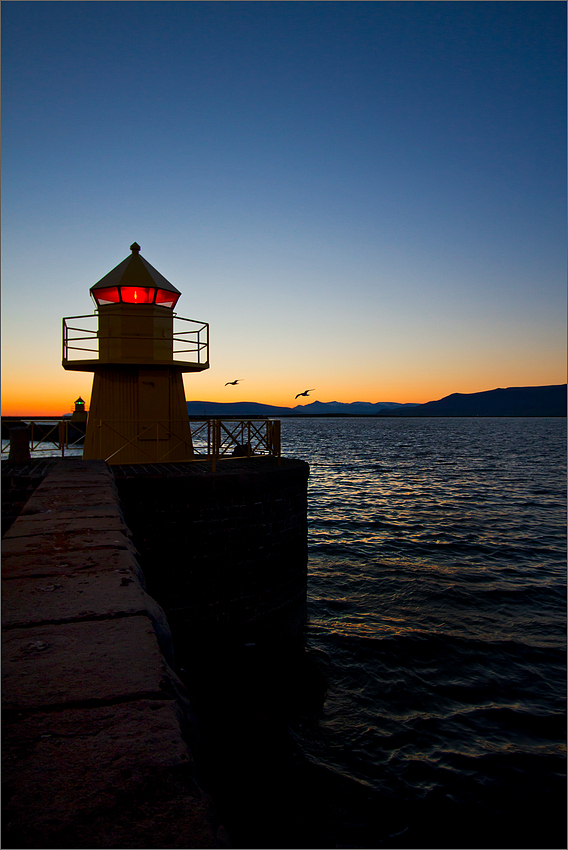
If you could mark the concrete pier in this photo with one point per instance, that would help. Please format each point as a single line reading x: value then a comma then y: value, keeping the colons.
x: 99, y: 732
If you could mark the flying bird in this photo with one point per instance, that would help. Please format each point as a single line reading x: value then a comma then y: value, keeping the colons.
x: 233, y: 383
x: 306, y: 392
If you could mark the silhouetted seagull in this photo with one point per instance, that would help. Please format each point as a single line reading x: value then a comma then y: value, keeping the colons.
x: 306, y: 392
x: 233, y: 383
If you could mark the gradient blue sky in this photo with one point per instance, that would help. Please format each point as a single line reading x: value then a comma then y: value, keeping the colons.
x: 367, y: 198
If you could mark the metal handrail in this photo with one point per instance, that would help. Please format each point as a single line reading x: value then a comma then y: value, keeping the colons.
x: 195, y: 346
x: 209, y: 439
x: 44, y: 430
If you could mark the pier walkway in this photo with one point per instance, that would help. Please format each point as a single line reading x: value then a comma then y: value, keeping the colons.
x: 98, y: 729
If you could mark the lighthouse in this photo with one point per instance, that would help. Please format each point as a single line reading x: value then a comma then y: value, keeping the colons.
x: 141, y: 348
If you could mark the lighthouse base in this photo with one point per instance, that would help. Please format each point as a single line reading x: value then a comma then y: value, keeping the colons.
x: 137, y: 415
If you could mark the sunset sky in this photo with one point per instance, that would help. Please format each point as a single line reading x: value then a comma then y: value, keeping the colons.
x: 366, y: 198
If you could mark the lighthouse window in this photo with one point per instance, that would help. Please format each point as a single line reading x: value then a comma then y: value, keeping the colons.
x: 107, y: 296
x: 165, y: 298
x: 137, y: 294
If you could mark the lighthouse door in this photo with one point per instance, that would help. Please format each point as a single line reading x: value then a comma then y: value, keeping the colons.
x: 154, y: 404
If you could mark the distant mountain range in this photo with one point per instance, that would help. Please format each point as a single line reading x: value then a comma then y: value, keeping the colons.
x: 512, y: 401
x: 315, y: 408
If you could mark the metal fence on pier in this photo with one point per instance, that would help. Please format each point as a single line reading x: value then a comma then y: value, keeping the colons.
x: 210, y: 439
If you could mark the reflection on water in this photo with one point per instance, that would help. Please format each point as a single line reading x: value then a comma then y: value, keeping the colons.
x: 437, y: 589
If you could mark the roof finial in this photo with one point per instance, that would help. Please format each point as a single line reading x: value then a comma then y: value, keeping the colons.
x: 135, y: 248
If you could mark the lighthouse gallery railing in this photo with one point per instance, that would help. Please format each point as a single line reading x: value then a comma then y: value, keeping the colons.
x: 82, y: 338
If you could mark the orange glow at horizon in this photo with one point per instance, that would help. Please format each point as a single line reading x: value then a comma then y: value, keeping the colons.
x: 53, y: 393
x: 28, y: 398
x: 281, y: 388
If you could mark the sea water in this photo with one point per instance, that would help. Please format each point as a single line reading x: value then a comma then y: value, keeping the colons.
x: 437, y: 604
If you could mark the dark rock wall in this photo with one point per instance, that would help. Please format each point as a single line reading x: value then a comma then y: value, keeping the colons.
x: 224, y: 552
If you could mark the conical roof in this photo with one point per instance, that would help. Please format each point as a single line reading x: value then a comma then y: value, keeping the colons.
x: 135, y: 271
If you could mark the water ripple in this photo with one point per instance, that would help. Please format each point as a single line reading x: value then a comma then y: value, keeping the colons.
x: 437, y: 590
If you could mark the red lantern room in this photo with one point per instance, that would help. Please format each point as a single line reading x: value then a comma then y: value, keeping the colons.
x: 135, y: 281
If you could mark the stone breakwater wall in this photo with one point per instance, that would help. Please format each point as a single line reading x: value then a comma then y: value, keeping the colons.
x: 223, y: 551
x: 18, y: 483
x: 98, y: 731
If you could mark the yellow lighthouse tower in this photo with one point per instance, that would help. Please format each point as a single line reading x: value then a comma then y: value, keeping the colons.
x: 138, y: 412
